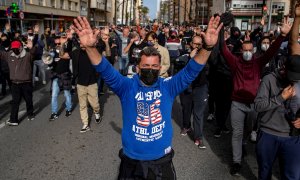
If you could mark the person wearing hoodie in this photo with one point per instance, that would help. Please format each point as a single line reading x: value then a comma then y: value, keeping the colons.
x: 246, y: 72
x: 234, y: 41
x: 278, y: 104
x: 146, y: 101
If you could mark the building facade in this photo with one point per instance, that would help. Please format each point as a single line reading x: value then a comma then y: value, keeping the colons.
x: 248, y: 13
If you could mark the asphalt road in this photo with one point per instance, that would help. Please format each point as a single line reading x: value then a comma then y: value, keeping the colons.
x: 56, y: 150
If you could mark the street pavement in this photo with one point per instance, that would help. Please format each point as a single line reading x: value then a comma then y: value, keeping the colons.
x: 40, y: 149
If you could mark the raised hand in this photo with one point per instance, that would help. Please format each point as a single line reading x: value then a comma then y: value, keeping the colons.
x: 29, y: 44
x: 212, y: 33
x: 285, y: 27
x: 86, y: 35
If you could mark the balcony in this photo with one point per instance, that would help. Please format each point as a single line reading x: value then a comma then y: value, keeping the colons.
x: 246, y: 12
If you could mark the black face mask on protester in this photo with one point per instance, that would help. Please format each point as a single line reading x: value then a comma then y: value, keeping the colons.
x: 173, y: 37
x: 149, y: 76
x: 16, y: 51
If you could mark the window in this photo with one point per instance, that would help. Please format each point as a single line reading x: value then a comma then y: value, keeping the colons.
x: 70, y: 5
x: 76, y: 6
x: 41, y: 2
x: 53, y: 3
x: 61, y: 4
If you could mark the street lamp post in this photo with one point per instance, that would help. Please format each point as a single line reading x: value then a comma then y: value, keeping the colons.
x: 270, y: 15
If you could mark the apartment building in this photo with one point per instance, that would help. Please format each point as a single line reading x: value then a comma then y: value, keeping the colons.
x: 248, y: 13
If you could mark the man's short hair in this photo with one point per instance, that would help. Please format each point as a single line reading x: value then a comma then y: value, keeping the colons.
x: 247, y: 42
x: 149, y: 51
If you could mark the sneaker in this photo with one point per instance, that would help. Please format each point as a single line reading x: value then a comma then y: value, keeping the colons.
x: 31, y: 117
x: 201, y: 145
x: 12, y: 123
x: 98, y: 118
x: 253, y: 136
x: 53, y: 117
x: 235, y: 169
x: 44, y: 82
x: 225, y: 130
x: 85, y: 128
x: 68, y: 113
x: 197, y: 142
x: 210, y: 117
x: 36, y: 78
x: 184, y: 131
x: 217, y: 133
x: 101, y: 93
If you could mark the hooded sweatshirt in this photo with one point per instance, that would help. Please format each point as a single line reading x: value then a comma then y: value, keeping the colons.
x: 146, y: 110
x: 271, y: 106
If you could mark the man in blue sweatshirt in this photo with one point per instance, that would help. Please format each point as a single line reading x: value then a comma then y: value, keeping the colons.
x: 147, y: 103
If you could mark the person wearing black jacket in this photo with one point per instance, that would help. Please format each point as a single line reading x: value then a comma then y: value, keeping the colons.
x: 61, y: 78
x: 87, y: 88
x: 194, y: 99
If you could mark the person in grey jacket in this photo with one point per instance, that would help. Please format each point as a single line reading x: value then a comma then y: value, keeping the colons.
x: 274, y: 101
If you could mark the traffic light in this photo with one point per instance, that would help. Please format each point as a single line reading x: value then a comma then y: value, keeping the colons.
x: 14, y: 7
x: 265, y: 10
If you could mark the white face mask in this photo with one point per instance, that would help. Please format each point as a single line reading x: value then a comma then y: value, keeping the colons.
x: 265, y: 47
x: 247, y: 55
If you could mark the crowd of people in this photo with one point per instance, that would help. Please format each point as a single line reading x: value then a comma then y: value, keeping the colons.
x: 249, y: 78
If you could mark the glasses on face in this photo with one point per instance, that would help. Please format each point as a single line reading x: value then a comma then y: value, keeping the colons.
x: 197, y: 44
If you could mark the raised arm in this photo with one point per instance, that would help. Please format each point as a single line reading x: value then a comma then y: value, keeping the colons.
x: 294, y: 46
x: 210, y: 39
x: 273, y: 50
x: 185, y: 77
x: 88, y: 39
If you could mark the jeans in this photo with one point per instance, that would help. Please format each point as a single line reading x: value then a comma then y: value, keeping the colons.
x: 55, y: 92
x: 241, y: 114
x: 17, y: 92
x: 39, y: 64
x: 269, y: 147
x: 123, y: 62
x: 195, y: 103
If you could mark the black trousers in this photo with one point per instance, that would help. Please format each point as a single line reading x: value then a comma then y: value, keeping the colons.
x: 223, y: 99
x: 18, y: 91
x: 160, y: 169
x: 5, y: 78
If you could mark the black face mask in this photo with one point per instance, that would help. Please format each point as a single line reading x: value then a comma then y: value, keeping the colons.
x: 6, y: 43
x: 149, y: 76
x: 173, y: 37
x: 30, y: 34
x: 16, y: 51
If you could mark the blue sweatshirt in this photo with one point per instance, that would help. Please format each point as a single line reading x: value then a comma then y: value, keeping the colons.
x: 146, y: 111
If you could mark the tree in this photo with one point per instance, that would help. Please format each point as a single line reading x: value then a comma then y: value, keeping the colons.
x: 144, y: 11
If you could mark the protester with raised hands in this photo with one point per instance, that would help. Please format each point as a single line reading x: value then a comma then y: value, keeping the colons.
x: 147, y: 103
x: 20, y: 61
x: 277, y: 101
x: 246, y: 71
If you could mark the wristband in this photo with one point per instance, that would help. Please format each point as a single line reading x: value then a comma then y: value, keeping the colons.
x: 207, y: 48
